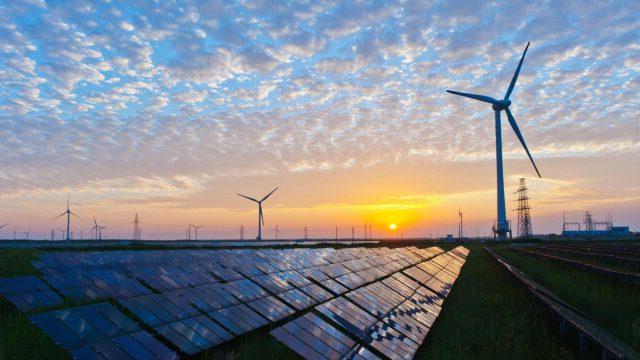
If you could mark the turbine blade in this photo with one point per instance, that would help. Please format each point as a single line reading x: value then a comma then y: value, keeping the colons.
x: 482, y: 98
x: 515, y: 75
x: 515, y: 128
x: 71, y: 212
x: 64, y: 213
x: 269, y: 194
x: 248, y: 198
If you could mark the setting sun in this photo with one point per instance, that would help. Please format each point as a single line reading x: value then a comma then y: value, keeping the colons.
x: 392, y: 226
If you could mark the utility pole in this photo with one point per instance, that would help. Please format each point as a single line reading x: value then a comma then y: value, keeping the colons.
x: 460, y: 228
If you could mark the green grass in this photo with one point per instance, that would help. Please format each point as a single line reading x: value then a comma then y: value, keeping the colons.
x: 601, y: 261
x: 490, y: 315
x: 610, y: 303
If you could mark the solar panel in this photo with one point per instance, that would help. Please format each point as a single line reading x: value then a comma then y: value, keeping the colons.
x: 154, y: 346
x: 347, y: 315
x: 27, y: 302
x: 334, y: 286
x: 313, y: 338
x: 390, y: 342
x: 205, y: 297
x: 21, y: 284
x: 238, y: 319
x: 297, y: 299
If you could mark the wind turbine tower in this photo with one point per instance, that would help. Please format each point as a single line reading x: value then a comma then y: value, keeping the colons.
x: 260, y: 215
x: 196, y: 228
x: 68, y: 213
x: 501, y: 228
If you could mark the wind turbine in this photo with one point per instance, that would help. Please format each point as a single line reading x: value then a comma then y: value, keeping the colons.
x: 68, y: 213
x: 97, y: 229
x: 260, y: 216
x: 196, y: 228
x: 62, y: 232
x: 26, y: 234
x: 277, y: 231
x: 502, y: 227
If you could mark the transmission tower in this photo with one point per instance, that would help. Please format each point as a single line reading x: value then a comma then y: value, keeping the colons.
x: 136, y: 228
x: 524, y: 216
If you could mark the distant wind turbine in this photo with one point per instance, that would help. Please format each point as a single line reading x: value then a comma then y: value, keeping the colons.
x: 196, y: 228
x: 502, y: 227
x: 62, y: 232
x: 68, y: 213
x: 97, y: 230
x: 260, y: 215
x: 26, y: 234
x: 276, y: 230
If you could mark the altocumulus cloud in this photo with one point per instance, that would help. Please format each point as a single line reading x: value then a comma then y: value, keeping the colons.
x: 99, y: 94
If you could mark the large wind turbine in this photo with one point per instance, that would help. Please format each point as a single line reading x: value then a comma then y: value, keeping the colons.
x: 502, y: 227
x: 260, y: 216
x: 68, y: 213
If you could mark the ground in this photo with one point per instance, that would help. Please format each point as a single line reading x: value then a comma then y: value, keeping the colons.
x: 488, y: 314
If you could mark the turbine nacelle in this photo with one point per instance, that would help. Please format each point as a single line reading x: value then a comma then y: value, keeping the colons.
x: 500, y: 105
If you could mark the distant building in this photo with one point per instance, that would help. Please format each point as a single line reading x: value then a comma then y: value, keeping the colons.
x: 594, y: 228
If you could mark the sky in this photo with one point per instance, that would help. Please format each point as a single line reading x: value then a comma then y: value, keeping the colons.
x: 170, y: 108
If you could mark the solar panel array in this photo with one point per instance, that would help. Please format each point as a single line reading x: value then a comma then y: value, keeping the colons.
x: 388, y: 318
x: 169, y: 304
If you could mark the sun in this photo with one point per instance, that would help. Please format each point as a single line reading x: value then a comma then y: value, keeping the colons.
x: 393, y: 226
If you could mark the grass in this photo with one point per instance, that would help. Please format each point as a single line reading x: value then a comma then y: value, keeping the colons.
x: 490, y: 315
x: 596, y: 260
x: 610, y: 303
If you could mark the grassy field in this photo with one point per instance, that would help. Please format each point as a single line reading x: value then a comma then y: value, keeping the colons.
x: 601, y: 261
x: 487, y: 315
x: 612, y: 304
x: 490, y: 315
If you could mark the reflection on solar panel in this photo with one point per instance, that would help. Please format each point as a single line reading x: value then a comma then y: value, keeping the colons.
x: 353, y: 302
x: 387, y: 318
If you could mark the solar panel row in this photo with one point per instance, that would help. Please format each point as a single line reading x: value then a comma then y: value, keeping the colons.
x: 100, y: 331
x: 232, y: 293
x: 389, y: 318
